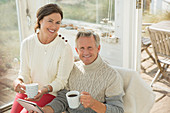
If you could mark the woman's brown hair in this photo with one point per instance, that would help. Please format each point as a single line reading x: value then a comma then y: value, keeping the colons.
x: 47, y: 10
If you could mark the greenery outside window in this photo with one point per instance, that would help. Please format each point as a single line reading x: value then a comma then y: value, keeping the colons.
x: 92, y: 11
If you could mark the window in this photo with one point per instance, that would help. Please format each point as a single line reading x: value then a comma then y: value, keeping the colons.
x: 92, y: 11
x: 9, y: 50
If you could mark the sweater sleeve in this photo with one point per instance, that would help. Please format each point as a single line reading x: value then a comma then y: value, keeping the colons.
x: 114, y: 85
x: 114, y: 93
x: 65, y: 66
x: 114, y: 104
x: 59, y: 103
x: 24, y: 72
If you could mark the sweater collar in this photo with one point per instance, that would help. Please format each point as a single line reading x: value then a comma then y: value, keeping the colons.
x: 49, y: 44
x: 93, y: 65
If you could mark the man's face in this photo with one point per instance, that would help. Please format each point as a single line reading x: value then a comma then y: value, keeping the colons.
x: 87, y: 50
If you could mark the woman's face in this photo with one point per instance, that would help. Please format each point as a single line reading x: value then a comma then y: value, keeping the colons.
x: 50, y: 25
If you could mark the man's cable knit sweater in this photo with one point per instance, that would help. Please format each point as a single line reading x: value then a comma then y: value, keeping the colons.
x: 101, y: 81
x: 46, y: 64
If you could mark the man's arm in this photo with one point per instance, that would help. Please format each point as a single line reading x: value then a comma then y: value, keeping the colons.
x: 99, y: 107
x: 112, y: 105
x: 58, y: 104
x: 114, y: 93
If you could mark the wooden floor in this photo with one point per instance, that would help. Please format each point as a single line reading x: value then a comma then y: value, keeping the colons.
x: 7, y: 93
x: 162, y: 106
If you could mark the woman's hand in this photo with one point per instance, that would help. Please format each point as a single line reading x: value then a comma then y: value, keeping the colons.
x: 19, y: 86
x: 39, y: 95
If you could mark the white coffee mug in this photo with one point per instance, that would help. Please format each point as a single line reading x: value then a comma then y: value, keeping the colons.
x: 73, y: 99
x: 31, y: 90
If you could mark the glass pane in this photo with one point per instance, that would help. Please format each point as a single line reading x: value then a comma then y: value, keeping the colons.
x: 9, y: 50
x: 92, y: 11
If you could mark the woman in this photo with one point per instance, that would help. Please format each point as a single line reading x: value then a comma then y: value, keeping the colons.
x: 46, y: 59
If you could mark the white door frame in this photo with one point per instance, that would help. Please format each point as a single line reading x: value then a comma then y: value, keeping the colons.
x: 128, y: 22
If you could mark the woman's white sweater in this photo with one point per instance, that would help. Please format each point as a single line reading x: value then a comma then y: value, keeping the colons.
x: 46, y: 64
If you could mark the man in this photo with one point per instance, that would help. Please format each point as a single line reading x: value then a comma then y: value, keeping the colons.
x: 100, y: 85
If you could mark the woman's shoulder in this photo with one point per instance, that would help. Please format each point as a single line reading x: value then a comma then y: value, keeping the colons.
x: 63, y: 45
x: 29, y: 38
x: 63, y: 41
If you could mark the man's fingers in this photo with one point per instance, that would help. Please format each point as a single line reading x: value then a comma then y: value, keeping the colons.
x: 85, y: 97
x: 32, y: 111
x: 84, y: 93
x: 86, y: 100
x: 86, y: 104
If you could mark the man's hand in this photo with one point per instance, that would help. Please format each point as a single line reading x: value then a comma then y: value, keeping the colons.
x: 89, y: 102
x: 32, y: 111
x: 46, y: 109
x: 86, y: 100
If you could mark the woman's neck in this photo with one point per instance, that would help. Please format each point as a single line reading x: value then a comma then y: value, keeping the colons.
x: 44, y: 39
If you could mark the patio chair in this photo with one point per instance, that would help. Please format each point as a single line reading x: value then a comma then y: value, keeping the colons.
x: 160, y: 40
x: 145, y: 44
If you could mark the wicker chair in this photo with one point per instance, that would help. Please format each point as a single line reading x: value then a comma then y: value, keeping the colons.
x: 160, y: 40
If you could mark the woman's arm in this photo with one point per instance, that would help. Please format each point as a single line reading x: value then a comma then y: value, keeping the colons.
x: 64, y: 69
x: 24, y: 72
x: 23, y: 77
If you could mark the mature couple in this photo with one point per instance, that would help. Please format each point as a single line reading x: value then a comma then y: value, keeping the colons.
x: 47, y: 59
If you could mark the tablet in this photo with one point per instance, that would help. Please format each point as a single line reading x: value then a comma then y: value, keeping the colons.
x: 29, y: 105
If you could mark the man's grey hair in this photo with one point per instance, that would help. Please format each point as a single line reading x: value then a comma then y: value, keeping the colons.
x: 88, y: 34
